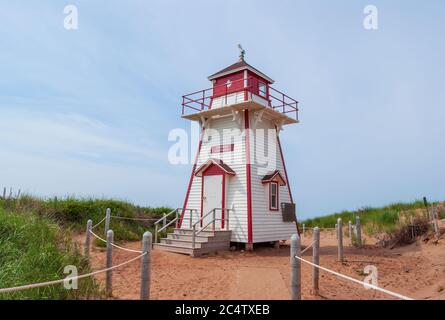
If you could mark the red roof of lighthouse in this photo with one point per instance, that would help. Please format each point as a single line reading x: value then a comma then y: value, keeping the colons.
x: 240, y: 65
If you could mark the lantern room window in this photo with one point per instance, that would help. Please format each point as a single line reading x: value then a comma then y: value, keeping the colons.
x: 262, y: 89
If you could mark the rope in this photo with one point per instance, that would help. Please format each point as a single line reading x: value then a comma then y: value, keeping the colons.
x: 115, y: 245
x: 137, y: 219
x: 96, y: 225
x: 308, y: 247
x: 50, y: 283
x: 356, y: 281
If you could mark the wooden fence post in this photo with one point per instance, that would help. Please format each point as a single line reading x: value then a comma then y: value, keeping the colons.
x: 109, y: 276
x: 107, y: 220
x: 351, y: 236
x: 316, y: 260
x: 146, y: 266
x: 340, y: 239
x: 295, y: 250
x: 304, y: 230
x: 336, y: 230
x: 88, y: 238
x: 358, y: 230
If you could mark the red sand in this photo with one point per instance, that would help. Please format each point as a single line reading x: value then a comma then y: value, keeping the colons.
x: 417, y: 271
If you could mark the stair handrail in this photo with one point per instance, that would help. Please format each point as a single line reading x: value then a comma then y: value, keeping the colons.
x: 166, y: 225
x: 214, y: 219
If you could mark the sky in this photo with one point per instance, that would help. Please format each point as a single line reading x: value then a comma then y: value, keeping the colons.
x: 87, y: 112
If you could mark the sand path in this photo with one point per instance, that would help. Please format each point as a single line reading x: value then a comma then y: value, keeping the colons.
x: 417, y: 271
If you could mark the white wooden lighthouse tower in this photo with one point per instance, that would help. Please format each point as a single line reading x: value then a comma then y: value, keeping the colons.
x: 239, y: 187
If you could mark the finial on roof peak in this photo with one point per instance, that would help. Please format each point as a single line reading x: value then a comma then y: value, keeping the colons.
x: 242, y: 52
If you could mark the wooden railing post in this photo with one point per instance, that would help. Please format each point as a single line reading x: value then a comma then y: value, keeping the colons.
x: 88, y: 238
x: 109, y: 275
x: 146, y: 266
x: 156, y: 233
x: 193, y: 236
x: 316, y: 260
x: 177, y: 218
x: 351, y: 236
x: 358, y: 230
x: 340, y: 239
x: 227, y: 219
x: 191, y: 218
x: 213, y: 216
x: 107, y: 220
x: 295, y: 264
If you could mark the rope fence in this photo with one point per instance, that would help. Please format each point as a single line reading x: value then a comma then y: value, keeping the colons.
x: 115, y: 245
x: 60, y: 281
x: 143, y: 255
x: 296, y: 259
x: 371, y: 286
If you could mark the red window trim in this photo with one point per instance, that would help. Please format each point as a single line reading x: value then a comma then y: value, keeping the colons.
x: 277, y: 196
x: 222, y: 148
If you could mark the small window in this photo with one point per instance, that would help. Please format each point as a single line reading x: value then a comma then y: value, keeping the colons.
x: 273, y: 191
x: 262, y: 88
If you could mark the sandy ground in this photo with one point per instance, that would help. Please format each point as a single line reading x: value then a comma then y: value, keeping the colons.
x: 417, y: 271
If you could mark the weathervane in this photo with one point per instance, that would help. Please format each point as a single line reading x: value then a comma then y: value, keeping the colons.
x: 242, y: 52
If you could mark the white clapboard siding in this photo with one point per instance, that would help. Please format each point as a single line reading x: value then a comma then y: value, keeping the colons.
x: 218, y: 130
x: 267, y: 225
x: 232, y: 98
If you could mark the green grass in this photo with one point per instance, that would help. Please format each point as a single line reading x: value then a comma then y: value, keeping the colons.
x: 373, y: 220
x: 33, y: 249
x: 72, y: 213
x: 36, y: 241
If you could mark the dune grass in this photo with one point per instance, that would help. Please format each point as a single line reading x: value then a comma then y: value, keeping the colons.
x: 74, y: 213
x: 36, y: 241
x: 373, y: 220
x: 33, y: 249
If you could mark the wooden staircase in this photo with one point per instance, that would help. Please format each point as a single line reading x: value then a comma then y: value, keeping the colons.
x: 208, y: 241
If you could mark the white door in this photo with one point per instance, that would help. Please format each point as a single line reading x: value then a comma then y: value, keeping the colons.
x: 212, y: 198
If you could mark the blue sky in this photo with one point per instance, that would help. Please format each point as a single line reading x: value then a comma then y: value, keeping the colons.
x: 87, y: 112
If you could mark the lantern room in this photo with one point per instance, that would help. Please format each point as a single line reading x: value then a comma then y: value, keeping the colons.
x: 238, y: 87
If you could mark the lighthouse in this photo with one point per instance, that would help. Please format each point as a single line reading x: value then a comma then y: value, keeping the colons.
x: 239, y: 190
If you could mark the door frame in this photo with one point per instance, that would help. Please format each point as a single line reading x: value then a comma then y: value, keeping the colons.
x: 214, y: 171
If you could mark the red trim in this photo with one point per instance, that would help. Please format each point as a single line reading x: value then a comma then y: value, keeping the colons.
x: 184, y: 207
x: 223, y: 206
x: 248, y: 178
x: 277, y: 190
x: 287, y: 179
x: 273, y: 179
x: 202, y: 199
x: 214, y: 163
x: 222, y: 148
x: 284, y: 166
x: 214, y: 171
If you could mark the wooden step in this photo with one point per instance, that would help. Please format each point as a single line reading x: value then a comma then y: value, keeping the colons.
x: 188, y: 243
x: 205, y: 233
x: 208, y: 241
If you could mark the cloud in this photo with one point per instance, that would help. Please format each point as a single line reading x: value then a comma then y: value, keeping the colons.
x: 68, y: 135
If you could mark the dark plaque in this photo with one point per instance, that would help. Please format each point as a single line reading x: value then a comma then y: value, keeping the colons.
x: 288, y: 211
